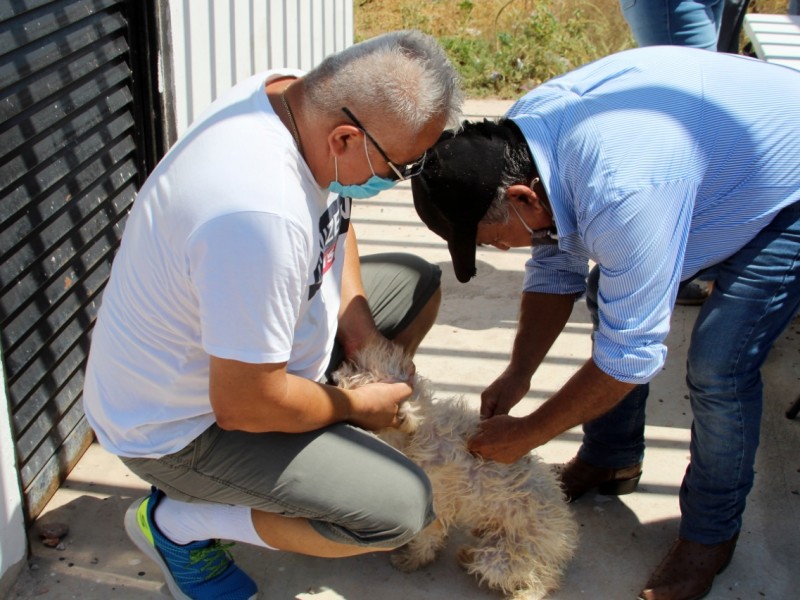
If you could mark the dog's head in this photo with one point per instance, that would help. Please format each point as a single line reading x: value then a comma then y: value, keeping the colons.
x: 384, y: 361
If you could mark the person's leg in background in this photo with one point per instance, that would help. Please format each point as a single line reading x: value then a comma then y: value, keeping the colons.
x: 692, y: 23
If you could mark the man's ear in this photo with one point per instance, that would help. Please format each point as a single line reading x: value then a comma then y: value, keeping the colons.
x: 521, y: 194
x: 527, y: 200
x: 342, y: 136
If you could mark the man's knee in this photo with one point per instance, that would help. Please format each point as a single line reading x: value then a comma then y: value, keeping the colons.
x: 388, y: 521
x: 406, y: 510
x: 413, y: 334
x: 407, y: 526
x: 713, y: 368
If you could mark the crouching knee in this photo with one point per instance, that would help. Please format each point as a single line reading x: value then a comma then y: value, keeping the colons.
x: 385, y: 520
x: 399, y: 514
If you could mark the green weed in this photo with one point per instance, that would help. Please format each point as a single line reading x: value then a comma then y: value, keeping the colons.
x: 502, y: 48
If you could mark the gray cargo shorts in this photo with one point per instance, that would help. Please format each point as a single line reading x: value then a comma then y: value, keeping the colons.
x: 352, y: 487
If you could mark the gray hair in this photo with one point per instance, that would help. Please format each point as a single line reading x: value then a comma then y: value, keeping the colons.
x: 403, y: 73
x: 517, y: 168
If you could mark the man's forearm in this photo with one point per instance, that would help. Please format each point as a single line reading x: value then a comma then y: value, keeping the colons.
x: 260, y: 398
x: 588, y: 394
x: 542, y: 318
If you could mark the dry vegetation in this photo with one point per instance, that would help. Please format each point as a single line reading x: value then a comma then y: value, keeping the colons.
x: 504, y: 47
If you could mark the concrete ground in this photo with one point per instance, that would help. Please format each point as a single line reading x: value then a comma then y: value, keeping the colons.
x: 622, y: 539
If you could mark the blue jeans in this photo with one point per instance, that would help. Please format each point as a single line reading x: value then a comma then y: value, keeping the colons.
x: 755, y: 296
x: 693, y: 23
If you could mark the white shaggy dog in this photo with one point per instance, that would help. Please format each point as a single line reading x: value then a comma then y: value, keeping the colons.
x: 523, y: 532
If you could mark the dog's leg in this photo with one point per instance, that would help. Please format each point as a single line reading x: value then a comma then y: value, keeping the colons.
x: 500, y: 561
x: 422, y: 550
x: 487, y: 558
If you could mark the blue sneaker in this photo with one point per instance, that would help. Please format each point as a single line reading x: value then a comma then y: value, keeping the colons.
x: 197, y: 571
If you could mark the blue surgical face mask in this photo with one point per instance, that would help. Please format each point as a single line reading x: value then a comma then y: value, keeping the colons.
x: 371, y: 187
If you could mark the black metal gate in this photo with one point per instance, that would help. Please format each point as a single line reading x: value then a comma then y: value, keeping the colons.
x: 78, y: 133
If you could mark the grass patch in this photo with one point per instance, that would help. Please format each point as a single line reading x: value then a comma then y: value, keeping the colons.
x: 503, y: 48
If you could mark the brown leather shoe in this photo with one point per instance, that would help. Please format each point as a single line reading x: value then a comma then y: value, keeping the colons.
x: 578, y: 477
x: 688, y: 570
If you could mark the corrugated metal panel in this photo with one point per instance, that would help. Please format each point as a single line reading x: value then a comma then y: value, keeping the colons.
x: 216, y: 44
x: 71, y: 160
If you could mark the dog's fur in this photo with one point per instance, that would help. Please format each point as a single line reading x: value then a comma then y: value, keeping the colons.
x: 523, y: 532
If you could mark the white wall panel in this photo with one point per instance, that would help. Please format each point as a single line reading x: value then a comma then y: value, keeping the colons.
x: 13, y: 544
x: 216, y: 43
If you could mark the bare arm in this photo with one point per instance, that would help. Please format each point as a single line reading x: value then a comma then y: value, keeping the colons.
x: 258, y: 398
x: 588, y: 394
x: 542, y: 318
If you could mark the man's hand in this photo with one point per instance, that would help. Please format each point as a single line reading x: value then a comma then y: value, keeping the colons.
x: 377, y: 405
x: 503, y: 394
x: 588, y: 394
x: 264, y: 397
x: 501, y: 438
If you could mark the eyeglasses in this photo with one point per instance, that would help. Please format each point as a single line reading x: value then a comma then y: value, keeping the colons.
x: 401, y: 172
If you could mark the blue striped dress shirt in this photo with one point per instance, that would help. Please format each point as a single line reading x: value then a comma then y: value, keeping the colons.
x: 658, y: 162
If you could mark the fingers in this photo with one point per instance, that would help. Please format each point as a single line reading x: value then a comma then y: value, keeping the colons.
x: 476, y: 442
x: 489, y: 402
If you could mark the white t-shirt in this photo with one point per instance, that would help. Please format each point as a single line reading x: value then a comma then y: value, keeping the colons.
x: 232, y: 250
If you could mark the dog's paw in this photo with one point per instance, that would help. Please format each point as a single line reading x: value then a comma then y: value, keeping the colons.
x: 502, y: 571
x: 465, y: 556
x: 408, y: 562
x: 421, y: 551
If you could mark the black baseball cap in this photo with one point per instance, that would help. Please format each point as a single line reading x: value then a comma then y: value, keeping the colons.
x: 458, y: 183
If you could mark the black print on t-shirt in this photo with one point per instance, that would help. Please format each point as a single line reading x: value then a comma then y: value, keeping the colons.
x: 332, y: 223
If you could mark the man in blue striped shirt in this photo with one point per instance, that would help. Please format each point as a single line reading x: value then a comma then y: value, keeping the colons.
x: 655, y: 164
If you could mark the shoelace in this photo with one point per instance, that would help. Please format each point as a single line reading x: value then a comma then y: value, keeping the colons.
x: 214, y: 558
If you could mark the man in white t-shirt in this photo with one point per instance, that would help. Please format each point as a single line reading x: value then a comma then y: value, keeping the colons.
x: 238, y: 287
